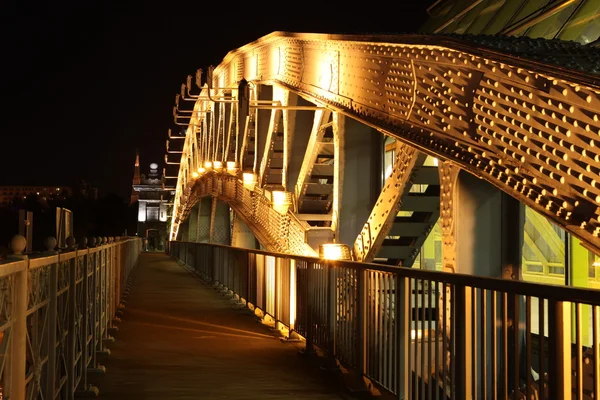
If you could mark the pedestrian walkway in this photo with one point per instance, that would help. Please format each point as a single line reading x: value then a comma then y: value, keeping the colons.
x: 179, y: 339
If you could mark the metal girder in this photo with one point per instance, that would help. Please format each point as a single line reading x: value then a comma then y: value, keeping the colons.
x: 379, y: 223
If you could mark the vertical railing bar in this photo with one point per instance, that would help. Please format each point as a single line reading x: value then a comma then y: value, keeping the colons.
x: 422, y: 339
x: 474, y: 370
x: 462, y: 368
x: 528, y: 344
x: 415, y: 340
x: 309, y: 333
x: 379, y: 312
x: 579, y: 344
x: 72, y: 338
x: 596, y: 349
x: 409, y: 340
x: 382, y: 318
x: 51, y: 330
x: 86, y: 319
x: 453, y: 316
x: 429, y: 342
x: 402, y: 329
x: 542, y: 333
x: 361, y: 339
x: 96, y: 311
x: 18, y: 349
x: 384, y: 329
x: 483, y: 293
x: 444, y: 339
x: 516, y: 340
x: 390, y: 333
x: 505, y: 344
x: 494, y: 340
x: 330, y: 312
x: 559, y: 343
x: 437, y: 339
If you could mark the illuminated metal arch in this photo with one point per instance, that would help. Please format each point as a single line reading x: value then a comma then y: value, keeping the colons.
x: 529, y: 128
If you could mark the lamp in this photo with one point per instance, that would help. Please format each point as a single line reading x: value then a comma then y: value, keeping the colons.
x: 249, y: 180
x: 281, y: 200
x: 232, y: 167
x: 217, y: 166
x: 335, y: 251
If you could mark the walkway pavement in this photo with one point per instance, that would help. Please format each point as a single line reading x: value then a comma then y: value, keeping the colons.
x: 179, y: 339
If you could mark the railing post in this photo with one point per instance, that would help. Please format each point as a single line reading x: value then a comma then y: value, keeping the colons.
x: 331, y: 303
x: 308, y: 350
x: 72, y: 338
x: 462, y: 342
x: 361, y: 326
x: 19, y: 333
x: 402, y: 318
x: 85, y: 308
x: 51, y: 329
x: 559, y: 346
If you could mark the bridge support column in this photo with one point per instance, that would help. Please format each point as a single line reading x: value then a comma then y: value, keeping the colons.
x: 220, y: 223
x: 204, y: 208
x: 482, y: 234
x: 359, y: 159
x: 241, y: 235
x: 193, y: 224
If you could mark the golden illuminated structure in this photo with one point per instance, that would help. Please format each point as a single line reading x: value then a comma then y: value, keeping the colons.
x: 529, y: 128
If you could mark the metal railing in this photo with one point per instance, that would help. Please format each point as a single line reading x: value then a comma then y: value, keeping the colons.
x: 55, y: 315
x: 421, y: 334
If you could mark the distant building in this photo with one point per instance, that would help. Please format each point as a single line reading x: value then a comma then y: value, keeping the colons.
x: 153, y: 199
x: 10, y: 193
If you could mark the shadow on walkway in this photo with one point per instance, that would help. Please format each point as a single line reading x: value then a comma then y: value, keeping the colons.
x: 179, y: 339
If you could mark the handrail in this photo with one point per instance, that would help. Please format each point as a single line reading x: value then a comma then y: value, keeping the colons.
x: 75, y: 293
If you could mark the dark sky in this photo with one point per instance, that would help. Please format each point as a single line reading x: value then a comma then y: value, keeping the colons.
x: 85, y: 84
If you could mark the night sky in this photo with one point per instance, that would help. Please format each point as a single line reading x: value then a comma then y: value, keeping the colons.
x: 84, y: 85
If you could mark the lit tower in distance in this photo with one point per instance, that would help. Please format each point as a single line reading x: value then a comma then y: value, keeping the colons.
x: 135, y: 195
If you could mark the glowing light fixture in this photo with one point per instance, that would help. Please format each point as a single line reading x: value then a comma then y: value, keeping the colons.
x: 195, y: 175
x: 281, y: 200
x: 201, y: 170
x: 217, y: 165
x: 335, y: 251
x: 249, y: 180
x: 208, y: 165
x: 232, y: 167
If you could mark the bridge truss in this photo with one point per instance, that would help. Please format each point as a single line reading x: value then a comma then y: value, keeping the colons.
x: 492, y: 106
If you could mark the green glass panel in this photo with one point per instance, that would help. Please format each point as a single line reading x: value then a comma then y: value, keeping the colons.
x: 584, y: 26
x: 550, y: 26
x: 543, y: 252
x: 491, y: 9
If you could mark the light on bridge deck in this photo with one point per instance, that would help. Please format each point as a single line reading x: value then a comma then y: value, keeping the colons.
x: 335, y: 251
x: 249, y: 180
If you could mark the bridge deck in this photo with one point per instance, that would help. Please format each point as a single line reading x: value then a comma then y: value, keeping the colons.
x: 179, y: 339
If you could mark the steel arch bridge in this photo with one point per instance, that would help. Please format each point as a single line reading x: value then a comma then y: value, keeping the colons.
x: 497, y: 107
